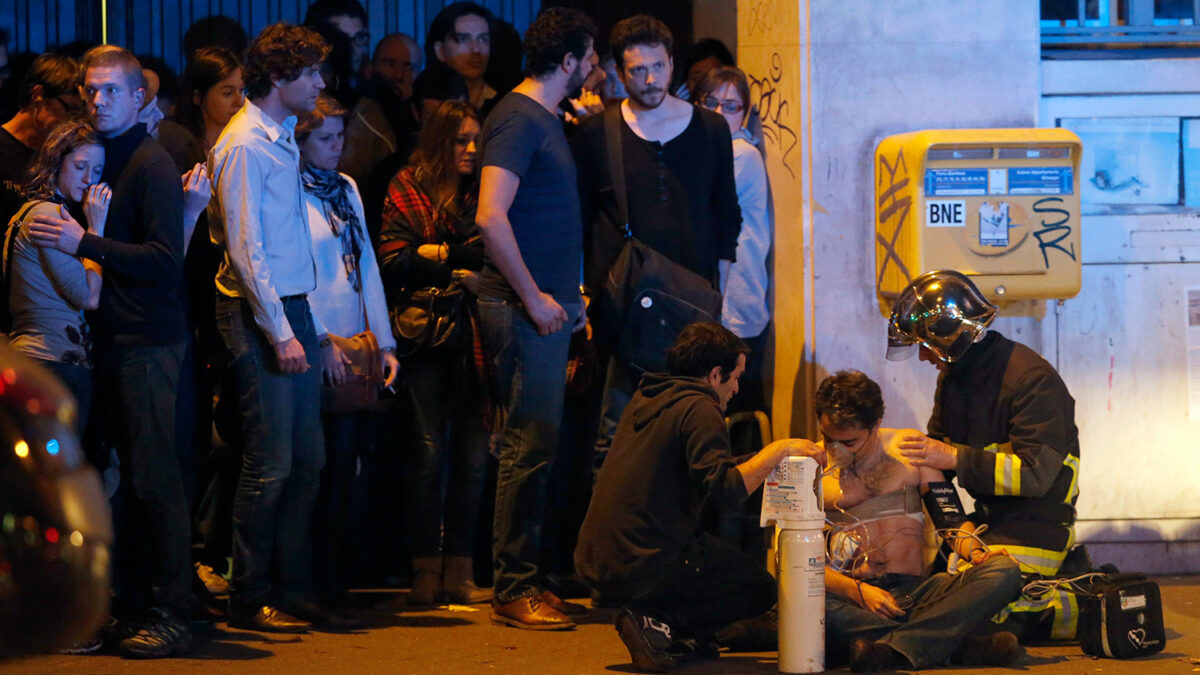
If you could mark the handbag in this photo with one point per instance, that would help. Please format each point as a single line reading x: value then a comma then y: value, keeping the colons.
x: 364, y: 373
x: 647, y: 298
x: 432, y: 320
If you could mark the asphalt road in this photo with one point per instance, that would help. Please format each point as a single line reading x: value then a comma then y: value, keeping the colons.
x: 460, y: 639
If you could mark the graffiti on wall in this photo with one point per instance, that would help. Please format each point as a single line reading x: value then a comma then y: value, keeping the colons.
x: 761, y: 17
x: 768, y: 97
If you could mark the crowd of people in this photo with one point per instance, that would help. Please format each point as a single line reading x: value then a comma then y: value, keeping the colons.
x: 302, y: 268
x: 196, y: 258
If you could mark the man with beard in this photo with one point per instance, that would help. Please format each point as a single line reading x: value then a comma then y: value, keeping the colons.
x: 678, y: 167
x: 529, y: 300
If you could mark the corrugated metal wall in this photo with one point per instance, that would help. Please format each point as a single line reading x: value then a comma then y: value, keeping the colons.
x: 157, y: 26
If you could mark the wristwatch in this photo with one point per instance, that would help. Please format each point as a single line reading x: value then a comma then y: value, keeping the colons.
x: 325, y: 341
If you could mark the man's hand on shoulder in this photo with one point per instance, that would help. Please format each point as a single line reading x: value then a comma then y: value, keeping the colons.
x: 62, y: 232
x: 922, y: 450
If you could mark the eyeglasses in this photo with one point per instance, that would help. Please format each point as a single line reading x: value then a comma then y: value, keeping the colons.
x: 728, y: 105
x: 72, y: 105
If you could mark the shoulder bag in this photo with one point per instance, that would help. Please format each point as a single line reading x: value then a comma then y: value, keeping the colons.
x: 647, y: 298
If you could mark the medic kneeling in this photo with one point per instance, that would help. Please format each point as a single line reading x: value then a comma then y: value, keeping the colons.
x: 883, y: 610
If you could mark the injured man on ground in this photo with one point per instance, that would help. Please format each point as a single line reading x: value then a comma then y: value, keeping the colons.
x: 883, y: 608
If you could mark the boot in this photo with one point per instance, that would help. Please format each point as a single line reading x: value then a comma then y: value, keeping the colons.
x: 459, y: 582
x: 427, y: 581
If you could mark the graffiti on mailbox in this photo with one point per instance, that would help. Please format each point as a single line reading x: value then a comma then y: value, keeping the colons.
x: 1053, y: 232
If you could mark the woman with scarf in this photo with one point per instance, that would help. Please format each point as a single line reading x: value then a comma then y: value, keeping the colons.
x: 429, y: 239
x: 347, y: 284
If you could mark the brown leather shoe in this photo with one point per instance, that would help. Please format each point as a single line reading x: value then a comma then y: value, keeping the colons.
x: 562, y: 606
x: 269, y: 620
x: 530, y: 613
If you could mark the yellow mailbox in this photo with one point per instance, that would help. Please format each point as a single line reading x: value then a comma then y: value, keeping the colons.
x: 999, y: 205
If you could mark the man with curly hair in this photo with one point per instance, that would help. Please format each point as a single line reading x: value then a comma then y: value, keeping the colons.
x: 257, y: 217
x: 529, y: 299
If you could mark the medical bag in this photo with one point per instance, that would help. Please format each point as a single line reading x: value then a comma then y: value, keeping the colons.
x: 1121, y: 617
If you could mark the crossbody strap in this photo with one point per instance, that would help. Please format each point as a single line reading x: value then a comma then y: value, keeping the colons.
x: 616, y: 165
x: 8, y: 241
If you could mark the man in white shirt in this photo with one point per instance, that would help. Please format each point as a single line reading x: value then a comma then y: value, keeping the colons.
x: 257, y: 220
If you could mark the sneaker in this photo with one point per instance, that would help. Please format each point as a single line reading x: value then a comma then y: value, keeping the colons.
x: 647, y: 640
x: 88, y: 646
x: 161, y: 635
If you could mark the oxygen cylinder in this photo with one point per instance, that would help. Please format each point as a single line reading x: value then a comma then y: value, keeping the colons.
x: 801, y: 570
x: 792, y: 501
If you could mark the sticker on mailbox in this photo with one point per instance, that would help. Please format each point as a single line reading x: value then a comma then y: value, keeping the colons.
x: 993, y: 224
x: 1055, y: 180
x: 945, y: 213
x: 956, y: 182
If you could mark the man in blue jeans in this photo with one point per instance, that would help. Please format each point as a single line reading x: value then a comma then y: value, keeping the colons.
x: 883, y: 609
x: 529, y: 299
x: 258, y: 219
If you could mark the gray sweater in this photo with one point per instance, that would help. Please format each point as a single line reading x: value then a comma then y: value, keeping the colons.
x: 49, y: 289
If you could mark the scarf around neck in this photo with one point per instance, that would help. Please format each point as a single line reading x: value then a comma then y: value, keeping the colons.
x: 334, y: 192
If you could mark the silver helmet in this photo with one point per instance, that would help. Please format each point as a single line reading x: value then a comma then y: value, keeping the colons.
x: 942, y: 310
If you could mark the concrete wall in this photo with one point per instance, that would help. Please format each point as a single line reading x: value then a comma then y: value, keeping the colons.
x: 831, y: 79
x: 1122, y: 343
x: 844, y: 75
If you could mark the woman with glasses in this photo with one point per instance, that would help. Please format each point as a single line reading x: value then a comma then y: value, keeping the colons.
x: 725, y: 90
x: 49, y: 289
x: 429, y: 239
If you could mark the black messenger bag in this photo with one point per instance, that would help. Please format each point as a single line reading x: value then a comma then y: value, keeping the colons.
x: 1121, y: 618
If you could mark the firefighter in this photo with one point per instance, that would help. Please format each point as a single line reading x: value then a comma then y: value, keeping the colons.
x: 1003, y: 422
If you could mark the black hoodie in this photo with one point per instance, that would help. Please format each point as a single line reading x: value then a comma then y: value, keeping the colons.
x: 669, y: 469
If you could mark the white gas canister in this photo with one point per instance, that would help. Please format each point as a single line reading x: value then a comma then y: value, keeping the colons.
x: 792, y: 500
x: 801, y: 569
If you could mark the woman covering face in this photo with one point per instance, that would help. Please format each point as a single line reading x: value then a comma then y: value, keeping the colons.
x: 51, y: 289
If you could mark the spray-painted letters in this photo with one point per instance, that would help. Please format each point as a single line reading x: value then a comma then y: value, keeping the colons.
x: 1052, y: 233
x: 772, y: 107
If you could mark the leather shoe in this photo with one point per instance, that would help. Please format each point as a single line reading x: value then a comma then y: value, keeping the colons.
x: 319, y: 617
x: 867, y: 656
x: 268, y: 619
x: 562, y: 606
x: 529, y: 613
x: 997, y: 649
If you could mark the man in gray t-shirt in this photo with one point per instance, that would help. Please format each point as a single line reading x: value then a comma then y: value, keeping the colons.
x: 529, y: 295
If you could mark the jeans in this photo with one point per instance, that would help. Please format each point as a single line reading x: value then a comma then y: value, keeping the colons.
x: 338, y: 518
x: 710, y: 586
x: 447, y: 420
x: 283, y: 453
x: 946, y: 608
x: 78, y: 381
x: 137, y: 389
x: 620, y: 383
x: 531, y: 371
